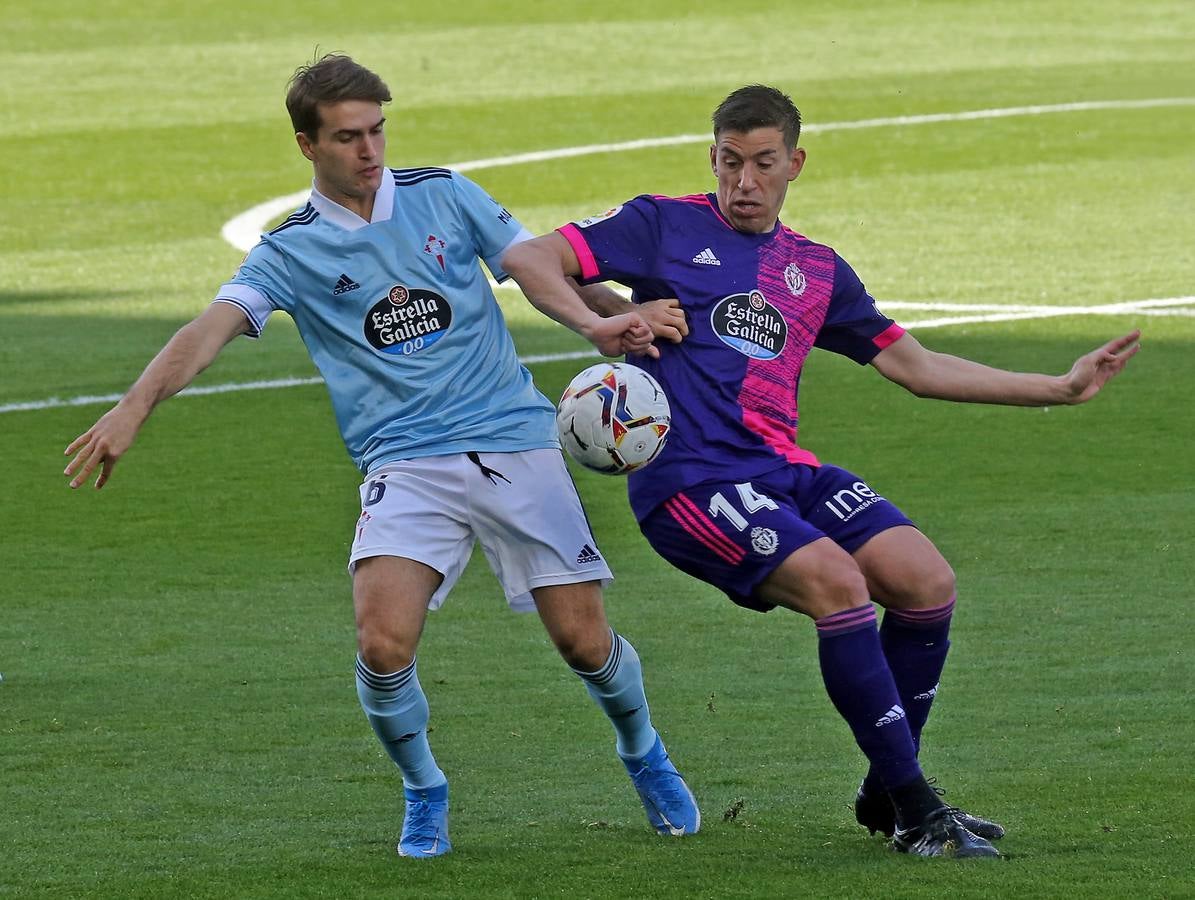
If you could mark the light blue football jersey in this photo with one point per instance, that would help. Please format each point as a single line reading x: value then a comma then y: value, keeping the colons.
x: 399, y: 317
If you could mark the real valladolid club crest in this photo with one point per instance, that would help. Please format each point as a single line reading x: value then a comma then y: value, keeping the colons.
x: 795, y: 279
x: 764, y: 541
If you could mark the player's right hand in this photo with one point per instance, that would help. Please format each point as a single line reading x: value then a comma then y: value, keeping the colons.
x: 665, y: 318
x: 101, y: 445
x: 622, y: 334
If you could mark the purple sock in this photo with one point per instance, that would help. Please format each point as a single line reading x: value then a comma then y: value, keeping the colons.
x: 915, y: 643
x: 861, y: 688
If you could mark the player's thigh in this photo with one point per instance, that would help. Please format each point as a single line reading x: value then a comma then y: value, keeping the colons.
x: 390, y: 600
x: 417, y: 510
x: 732, y: 535
x: 529, y: 520
x: 904, y: 569
x: 818, y: 579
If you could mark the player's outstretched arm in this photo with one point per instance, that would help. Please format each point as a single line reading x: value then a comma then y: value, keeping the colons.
x: 188, y: 353
x: 941, y: 376
x: 541, y: 265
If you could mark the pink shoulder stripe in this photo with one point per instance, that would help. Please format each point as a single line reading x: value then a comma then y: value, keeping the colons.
x: 572, y: 234
x: 698, y: 199
x: 888, y: 336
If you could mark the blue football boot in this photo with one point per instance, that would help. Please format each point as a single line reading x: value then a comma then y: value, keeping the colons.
x: 671, y: 808
x: 425, y: 825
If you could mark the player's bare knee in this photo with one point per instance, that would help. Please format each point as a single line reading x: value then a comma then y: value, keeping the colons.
x: 586, y: 649
x: 817, y: 586
x: 382, y: 650
x: 841, y: 590
x: 932, y: 586
x: 941, y: 586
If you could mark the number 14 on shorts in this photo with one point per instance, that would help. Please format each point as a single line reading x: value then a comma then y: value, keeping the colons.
x: 750, y: 499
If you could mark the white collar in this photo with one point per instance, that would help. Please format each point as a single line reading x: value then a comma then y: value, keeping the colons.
x: 383, y: 205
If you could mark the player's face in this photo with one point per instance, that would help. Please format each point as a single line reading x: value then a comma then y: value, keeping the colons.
x: 348, y: 152
x: 754, y: 169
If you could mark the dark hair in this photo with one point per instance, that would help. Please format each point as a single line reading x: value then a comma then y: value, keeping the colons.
x: 330, y: 79
x: 759, y: 106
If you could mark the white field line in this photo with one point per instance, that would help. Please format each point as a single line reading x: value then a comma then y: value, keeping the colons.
x: 242, y: 231
x: 985, y: 312
x: 1047, y: 312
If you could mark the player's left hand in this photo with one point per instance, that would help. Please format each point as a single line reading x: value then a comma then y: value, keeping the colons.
x: 666, y: 319
x: 1093, y: 370
x: 623, y: 334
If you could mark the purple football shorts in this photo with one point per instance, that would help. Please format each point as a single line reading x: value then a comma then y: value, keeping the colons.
x: 733, y: 534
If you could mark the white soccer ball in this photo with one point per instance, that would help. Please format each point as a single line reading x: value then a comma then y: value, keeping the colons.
x: 613, y: 418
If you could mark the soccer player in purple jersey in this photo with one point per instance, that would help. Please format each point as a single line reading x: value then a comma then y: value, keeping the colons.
x: 735, y: 501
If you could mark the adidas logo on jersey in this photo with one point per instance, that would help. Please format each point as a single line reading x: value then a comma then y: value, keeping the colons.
x: 587, y: 555
x: 893, y: 715
x: 344, y: 285
x: 928, y: 695
x: 706, y: 258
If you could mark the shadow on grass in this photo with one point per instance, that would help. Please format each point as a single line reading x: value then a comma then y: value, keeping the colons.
x: 50, y: 355
x: 14, y: 298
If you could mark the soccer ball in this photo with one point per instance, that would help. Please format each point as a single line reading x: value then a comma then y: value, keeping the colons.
x: 613, y: 418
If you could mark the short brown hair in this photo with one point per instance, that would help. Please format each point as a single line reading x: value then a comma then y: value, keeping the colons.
x: 330, y: 79
x: 759, y: 106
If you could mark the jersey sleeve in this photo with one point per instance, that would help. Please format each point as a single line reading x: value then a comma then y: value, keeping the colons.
x: 621, y: 244
x: 261, y: 285
x: 854, y: 327
x: 491, y: 226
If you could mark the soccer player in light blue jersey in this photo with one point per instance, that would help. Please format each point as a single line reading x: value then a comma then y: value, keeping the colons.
x: 381, y: 273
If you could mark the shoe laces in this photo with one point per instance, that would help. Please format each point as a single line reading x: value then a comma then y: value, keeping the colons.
x: 665, y: 784
x: 420, y: 820
x: 932, y: 781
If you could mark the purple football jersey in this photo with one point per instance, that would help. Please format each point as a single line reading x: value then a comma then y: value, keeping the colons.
x: 756, y: 305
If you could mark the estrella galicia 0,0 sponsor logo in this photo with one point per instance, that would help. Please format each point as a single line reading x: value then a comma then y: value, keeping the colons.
x: 750, y: 324
x: 407, y: 320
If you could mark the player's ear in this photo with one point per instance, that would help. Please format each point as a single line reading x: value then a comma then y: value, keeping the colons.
x: 714, y: 158
x: 796, y: 163
x: 304, y: 143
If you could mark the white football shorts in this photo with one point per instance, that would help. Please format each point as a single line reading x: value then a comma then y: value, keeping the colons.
x: 521, y: 507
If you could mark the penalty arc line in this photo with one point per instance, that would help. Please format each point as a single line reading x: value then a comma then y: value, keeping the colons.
x: 243, y: 231
x: 1172, y: 304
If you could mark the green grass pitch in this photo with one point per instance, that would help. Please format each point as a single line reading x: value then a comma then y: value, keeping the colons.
x: 177, y: 714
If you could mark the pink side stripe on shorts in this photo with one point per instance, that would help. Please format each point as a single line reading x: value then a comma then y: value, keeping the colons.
x: 691, y: 519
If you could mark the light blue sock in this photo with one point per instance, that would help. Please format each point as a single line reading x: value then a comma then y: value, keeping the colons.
x: 397, y: 709
x: 617, y: 687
